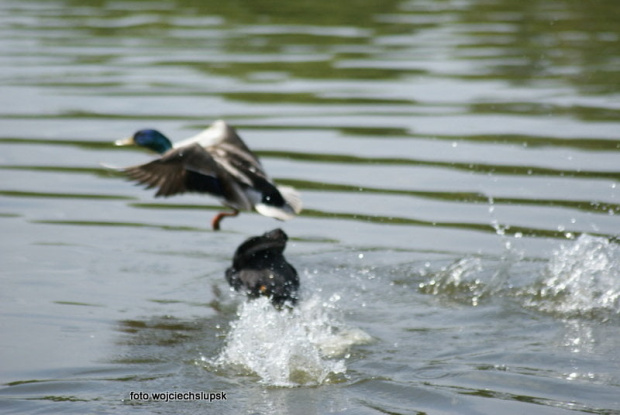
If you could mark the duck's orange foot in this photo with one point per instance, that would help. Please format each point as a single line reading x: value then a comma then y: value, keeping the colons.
x: 215, y: 222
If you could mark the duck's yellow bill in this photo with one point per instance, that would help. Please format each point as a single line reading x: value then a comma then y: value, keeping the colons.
x: 125, y: 142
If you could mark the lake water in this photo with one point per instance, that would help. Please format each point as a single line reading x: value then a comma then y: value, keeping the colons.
x: 459, y: 163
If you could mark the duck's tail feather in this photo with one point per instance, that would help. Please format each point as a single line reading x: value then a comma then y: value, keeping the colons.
x: 292, y: 197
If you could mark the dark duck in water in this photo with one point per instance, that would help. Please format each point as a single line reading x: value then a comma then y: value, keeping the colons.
x: 259, y: 268
x: 216, y: 162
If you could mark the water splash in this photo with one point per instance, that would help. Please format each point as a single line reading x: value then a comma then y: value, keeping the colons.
x: 303, y: 346
x: 582, y: 278
x: 470, y: 280
x: 457, y: 281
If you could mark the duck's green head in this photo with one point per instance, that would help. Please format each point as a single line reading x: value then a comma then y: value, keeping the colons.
x: 151, y: 139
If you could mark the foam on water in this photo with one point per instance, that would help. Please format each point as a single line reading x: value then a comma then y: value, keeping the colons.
x: 580, y: 278
x: 302, y: 346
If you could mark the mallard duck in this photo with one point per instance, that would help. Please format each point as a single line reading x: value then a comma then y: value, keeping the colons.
x: 259, y: 268
x: 216, y: 162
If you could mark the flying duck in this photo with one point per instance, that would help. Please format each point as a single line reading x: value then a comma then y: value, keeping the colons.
x: 216, y: 162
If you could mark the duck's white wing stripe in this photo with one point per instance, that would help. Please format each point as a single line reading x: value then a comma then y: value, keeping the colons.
x: 211, y: 136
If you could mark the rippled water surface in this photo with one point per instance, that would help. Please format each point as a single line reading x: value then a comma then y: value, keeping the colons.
x: 459, y: 163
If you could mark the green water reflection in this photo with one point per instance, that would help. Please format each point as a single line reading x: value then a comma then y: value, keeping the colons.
x: 571, y: 42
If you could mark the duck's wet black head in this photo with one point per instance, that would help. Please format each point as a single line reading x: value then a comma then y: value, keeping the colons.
x: 260, y: 269
x: 272, y: 242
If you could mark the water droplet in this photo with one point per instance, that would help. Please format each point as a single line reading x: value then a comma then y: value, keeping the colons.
x: 499, y: 229
x: 361, y: 256
x: 518, y: 235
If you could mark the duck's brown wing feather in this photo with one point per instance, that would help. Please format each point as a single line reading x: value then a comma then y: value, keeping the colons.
x: 186, y: 169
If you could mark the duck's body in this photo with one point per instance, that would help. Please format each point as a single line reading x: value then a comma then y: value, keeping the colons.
x: 216, y: 162
x: 259, y: 268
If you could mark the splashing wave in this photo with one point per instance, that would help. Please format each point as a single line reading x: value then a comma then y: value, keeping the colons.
x: 580, y: 279
x: 290, y: 348
x: 457, y: 281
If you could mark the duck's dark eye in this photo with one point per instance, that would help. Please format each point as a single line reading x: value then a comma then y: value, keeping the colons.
x: 273, y: 199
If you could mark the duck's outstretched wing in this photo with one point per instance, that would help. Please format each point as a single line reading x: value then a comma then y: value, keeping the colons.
x: 178, y: 171
x: 233, y: 154
x: 219, y: 134
x: 189, y: 169
x: 229, y: 151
